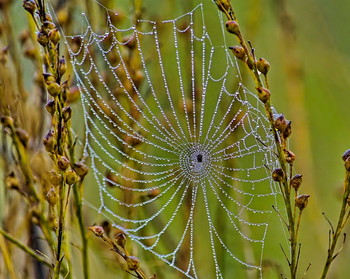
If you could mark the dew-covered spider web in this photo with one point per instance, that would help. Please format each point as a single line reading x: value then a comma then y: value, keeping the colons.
x: 179, y: 147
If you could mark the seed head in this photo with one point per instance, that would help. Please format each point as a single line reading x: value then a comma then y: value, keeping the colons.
x: 97, y: 230
x: 289, y: 156
x: 48, y: 25
x: 71, y: 177
x: 52, y: 196
x: 49, y: 141
x: 280, y: 123
x: 239, y: 52
x: 296, y: 181
x: 62, y: 66
x: 301, y: 201
x: 29, y: 6
x: 42, y: 38
x: 120, y: 239
x: 63, y: 163
x: 12, y: 181
x: 55, y: 178
x: 67, y: 113
x: 288, y: 131
x: 22, y: 136
x: 7, y: 121
x: 232, y: 27
x: 278, y: 175
x: 54, y: 89
x: 54, y: 36
x: 347, y: 164
x: 81, y: 169
x: 346, y: 155
x: 263, y: 66
x: 51, y: 107
x: 263, y: 94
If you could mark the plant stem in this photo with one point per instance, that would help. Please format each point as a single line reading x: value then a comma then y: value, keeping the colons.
x: 343, y: 217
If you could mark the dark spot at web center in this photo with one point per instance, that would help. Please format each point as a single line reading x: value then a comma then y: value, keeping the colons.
x: 199, y: 158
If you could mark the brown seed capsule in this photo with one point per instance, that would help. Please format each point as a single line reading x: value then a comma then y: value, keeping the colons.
x: 263, y: 94
x: 296, y: 181
x: 133, y: 262
x: 48, y: 78
x: 278, y: 175
x: 239, y: 52
x: 263, y: 66
x: 51, y: 107
x: 153, y: 193
x: 346, y: 155
x: 12, y: 181
x: 71, y: 177
x: 280, y: 123
x: 54, y: 89
x: 62, y: 66
x: 54, y: 36
x: 42, y: 38
x: 288, y: 131
x: 347, y: 164
x: 49, y: 141
x: 232, y: 27
x: 63, y: 163
x: 120, y: 239
x: 7, y: 121
x: 301, y: 201
x: 29, y: 6
x: 55, y: 178
x: 48, y: 25
x: 81, y: 169
x: 67, y: 113
x: 97, y: 230
x: 289, y: 156
x: 52, y: 196
x: 22, y: 136
x: 129, y: 41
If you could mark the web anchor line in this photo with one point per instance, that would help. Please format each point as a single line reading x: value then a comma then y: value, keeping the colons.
x: 180, y: 154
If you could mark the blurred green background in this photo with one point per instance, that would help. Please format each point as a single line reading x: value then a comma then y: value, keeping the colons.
x: 308, y: 46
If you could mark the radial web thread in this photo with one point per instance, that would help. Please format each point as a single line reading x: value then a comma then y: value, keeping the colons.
x: 179, y: 147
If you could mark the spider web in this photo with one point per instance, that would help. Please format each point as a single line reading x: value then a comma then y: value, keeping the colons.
x: 179, y: 147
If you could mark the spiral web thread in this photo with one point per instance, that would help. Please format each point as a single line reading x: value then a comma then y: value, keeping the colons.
x: 181, y: 157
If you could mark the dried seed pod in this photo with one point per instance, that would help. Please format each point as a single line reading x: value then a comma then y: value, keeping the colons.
x: 55, y: 178
x: 288, y: 130
x: 52, y: 196
x: 263, y: 66
x: 48, y: 25
x: 29, y: 6
x: 238, y: 51
x: 263, y: 94
x: 129, y: 41
x: 232, y: 27
x: 62, y: 67
x: 133, y: 262
x: 63, y: 163
x: 296, y: 181
x: 120, y: 239
x: 42, y: 38
x: 48, y: 78
x: 54, y: 89
x: 72, y: 94
x: 278, y: 175
x: 301, y: 201
x: 71, y: 177
x: 67, y: 113
x: 7, y: 121
x: 280, y: 123
x: 54, y: 36
x: 12, y: 181
x: 346, y: 155
x: 289, y: 156
x: 347, y: 164
x: 51, y: 107
x: 97, y: 230
x: 153, y: 193
x: 81, y: 169
x: 22, y: 136
x: 49, y: 141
